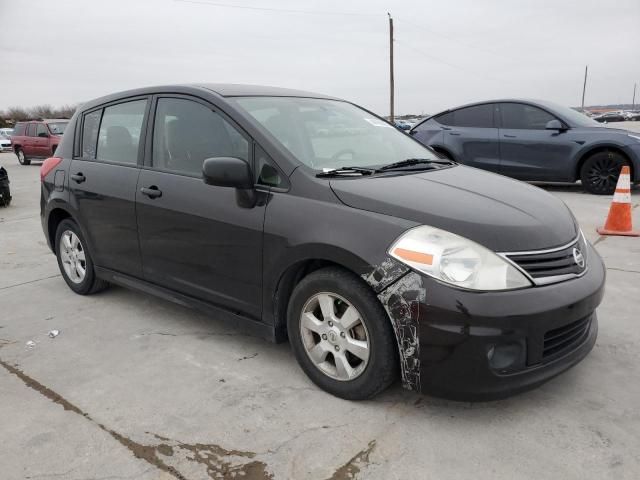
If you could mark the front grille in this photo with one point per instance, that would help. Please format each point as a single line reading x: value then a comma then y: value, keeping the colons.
x: 552, y: 263
x: 563, y: 338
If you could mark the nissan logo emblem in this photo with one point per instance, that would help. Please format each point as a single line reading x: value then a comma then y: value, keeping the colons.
x: 578, y: 257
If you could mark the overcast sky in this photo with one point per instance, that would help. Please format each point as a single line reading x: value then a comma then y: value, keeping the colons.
x: 447, y: 53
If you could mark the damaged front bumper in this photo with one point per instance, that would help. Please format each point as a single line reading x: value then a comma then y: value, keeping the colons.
x: 467, y: 345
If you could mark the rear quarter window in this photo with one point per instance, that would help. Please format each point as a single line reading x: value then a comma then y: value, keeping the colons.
x: 19, y: 129
x: 477, y: 116
x: 90, y: 126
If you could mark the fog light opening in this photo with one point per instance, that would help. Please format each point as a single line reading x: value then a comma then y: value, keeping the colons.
x: 506, y: 356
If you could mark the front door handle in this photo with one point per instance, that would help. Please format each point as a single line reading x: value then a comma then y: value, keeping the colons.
x: 509, y: 136
x: 78, y: 177
x: 151, y: 192
x: 454, y: 133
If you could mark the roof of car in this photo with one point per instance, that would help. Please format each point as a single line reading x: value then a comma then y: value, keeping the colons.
x: 533, y: 101
x: 222, y: 89
x: 240, y: 90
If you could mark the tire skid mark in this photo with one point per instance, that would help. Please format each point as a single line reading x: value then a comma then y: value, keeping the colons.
x: 214, y: 458
x: 350, y: 469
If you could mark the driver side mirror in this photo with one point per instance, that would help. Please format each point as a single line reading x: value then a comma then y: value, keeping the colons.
x: 554, y: 125
x: 227, y: 172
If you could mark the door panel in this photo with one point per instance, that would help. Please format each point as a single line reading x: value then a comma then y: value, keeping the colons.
x: 471, y: 136
x: 535, y: 154
x: 104, y: 195
x: 197, y: 240
x: 30, y: 149
x: 476, y: 147
x: 527, y: 150
x: 41, y: 144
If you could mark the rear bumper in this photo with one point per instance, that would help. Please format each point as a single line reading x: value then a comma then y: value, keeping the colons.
x: 483, y: 346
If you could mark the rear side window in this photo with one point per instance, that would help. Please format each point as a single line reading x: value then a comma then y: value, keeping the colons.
x: 524, y: 117
x: 31, y: 131
x: 90, y: 127
x: 120, y: 131
x: 20, y: 129
x: 185, y: 133
x: 478, y: 116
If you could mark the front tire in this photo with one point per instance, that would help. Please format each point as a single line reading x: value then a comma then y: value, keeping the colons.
x: 74, y: 260
x: 600, y: 172
x: 22, y: 158
x: 341, y: 335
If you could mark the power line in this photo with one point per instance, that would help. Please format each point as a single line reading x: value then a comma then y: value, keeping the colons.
x: 454, y: 39
x: 278, y: 10
x: 444, y: 62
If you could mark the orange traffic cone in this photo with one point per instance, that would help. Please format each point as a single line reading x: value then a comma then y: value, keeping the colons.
x: 619, y: 218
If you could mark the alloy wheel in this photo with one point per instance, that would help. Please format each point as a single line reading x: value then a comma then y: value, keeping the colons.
x: 21, y: 158
x: 73, y: 258
x: 603, y: 174
x: 335, y: 336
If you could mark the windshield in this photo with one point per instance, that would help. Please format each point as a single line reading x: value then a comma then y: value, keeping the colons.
x: 57, y: 128
x: 326, y: 134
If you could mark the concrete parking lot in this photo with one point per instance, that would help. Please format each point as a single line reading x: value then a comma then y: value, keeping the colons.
x: 135, y: 387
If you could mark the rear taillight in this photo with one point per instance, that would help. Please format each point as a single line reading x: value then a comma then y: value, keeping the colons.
x: 48, y: 165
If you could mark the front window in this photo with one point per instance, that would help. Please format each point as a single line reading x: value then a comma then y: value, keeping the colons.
x: 57, y: 128
x: 327, y: 134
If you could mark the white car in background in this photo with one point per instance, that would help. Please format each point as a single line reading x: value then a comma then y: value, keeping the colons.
x: 5, y: 140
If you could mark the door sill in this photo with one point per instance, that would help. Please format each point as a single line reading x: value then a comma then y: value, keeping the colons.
x: 245, y: 324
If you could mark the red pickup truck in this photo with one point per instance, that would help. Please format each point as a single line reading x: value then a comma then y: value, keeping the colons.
x: 37, y: 139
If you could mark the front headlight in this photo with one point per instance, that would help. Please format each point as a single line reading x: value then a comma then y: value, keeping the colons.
x: 456, y: 260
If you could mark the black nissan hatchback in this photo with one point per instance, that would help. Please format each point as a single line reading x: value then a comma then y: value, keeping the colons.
x: 301, y: 216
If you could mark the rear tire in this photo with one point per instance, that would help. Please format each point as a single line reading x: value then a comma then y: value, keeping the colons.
x: 354, y: 358
x: 22, y: 158
x: 74, y: 260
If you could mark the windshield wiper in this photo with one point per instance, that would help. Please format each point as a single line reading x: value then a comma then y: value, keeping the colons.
x: 410, y: 162
x: 347, y: 171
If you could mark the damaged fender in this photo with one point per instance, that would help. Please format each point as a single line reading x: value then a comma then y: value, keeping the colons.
x: 401, y: 294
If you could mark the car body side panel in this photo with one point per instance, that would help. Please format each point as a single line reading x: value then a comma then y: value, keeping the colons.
x: 105, y: 206
x: 475, y: 147
x: 328, y: 236
x: 196, y: 239
x: 429, y: 133
x: 537, y: 154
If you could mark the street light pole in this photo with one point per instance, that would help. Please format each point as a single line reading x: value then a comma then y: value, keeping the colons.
x: 584, y: 87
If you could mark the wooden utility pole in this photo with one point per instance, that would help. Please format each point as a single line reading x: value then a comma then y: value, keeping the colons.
x: 391, y: 114
x: 584, y: 87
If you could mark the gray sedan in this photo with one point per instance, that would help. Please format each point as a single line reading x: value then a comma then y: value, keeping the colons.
x: 533, y: 141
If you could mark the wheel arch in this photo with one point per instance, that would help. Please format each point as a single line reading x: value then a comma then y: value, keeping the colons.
x: 54, y: 218
x: 276, y: 299
x: 599, y: 149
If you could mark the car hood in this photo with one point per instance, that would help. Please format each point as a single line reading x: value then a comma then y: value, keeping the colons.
x: 497, y: 212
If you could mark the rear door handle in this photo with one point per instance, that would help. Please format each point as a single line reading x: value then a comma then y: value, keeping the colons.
x: 510, y: 136
x: 78, y: 177
x: 151, y: 192
x: 455, y: 133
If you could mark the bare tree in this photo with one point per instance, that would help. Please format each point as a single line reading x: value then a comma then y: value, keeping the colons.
x: 41, y: 111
